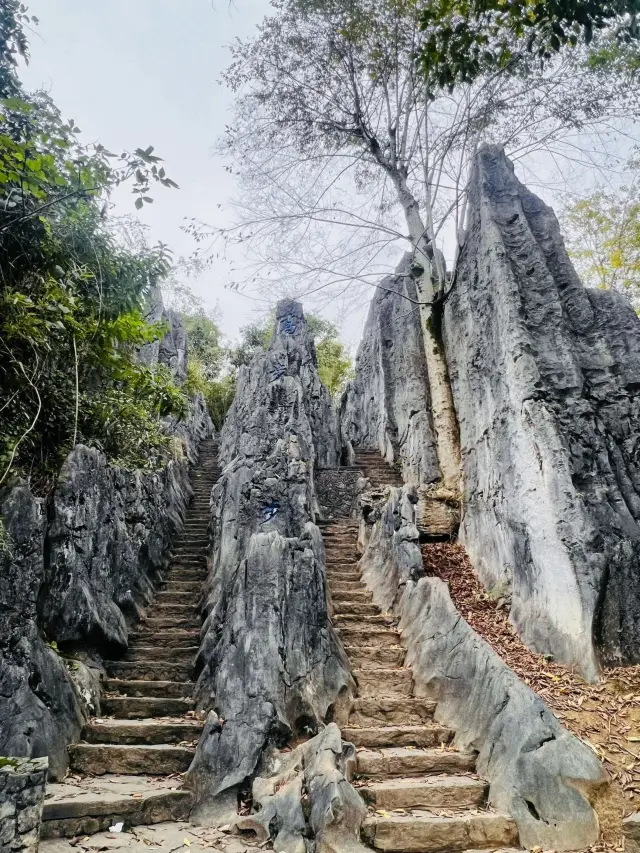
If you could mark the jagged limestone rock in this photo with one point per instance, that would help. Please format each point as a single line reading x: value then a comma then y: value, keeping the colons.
x: 318, y: 770
x: 387, y: 405
x: 40, y: 711
x: 546, y: 384
x: 107, y: 538
x: 271, y: 665
x: 539, y: 773
x: 172, y: 349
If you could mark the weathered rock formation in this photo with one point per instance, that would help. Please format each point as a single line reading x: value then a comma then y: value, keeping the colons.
x: 271, y: 664
x: 539, y: 773
x: 40, y: 711
x: 387, y: 405
x: 546, y: 383
x: 320, y: 767
x: 78, y: 569
x: 22, y: 787
x: 172, y: 349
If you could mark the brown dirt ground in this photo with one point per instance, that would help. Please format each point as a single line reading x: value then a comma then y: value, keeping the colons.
x: 606, y: 716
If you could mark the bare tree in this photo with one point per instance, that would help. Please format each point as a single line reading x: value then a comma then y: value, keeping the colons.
x: 341, y: 152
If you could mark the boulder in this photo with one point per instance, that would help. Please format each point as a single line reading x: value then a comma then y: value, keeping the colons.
x: 546, y: 384
x: 387, y: 406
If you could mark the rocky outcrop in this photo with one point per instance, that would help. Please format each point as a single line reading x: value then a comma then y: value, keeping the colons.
x: 39, y: 708
x: 22, y: 786
x: 546, y: 384
x: 107, y: 538
x: 321, y: 767
x: 77, y: 570
x: 387, y: 405
x: 539, y: 773
x: 171, y: 350
x: 271, y: 665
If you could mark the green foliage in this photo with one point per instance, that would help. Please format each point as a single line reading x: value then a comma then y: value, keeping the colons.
x: 603, y: 239
x: 71, y: 296
x: 205, y: 342
x: 334, y: 365
x: 467, y: 38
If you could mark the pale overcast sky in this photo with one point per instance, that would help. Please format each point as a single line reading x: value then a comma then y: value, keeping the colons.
x: 145, y: 72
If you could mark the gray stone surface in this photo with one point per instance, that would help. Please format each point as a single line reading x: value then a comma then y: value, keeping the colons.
x: 22, y: 787
x: 271, y: 665
x: 386, y: 406
x: 538, y: 772
x: 172, y: 349
x: 546, y: 384
x: 40, y: 711
x: 334, y: 811
x: 631, y: 830
x: 107, y: 538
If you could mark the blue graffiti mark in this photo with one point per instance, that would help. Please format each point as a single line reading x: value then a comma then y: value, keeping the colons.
x: 277, y: 372
x: 288, y: 324
x: 270, y: 511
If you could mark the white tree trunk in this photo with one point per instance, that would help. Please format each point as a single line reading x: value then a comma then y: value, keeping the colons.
x: 445, y: 423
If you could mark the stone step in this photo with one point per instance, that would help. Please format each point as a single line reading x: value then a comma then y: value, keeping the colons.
x: 133, y: 707
x: 339, y: 574
x: 149, y: 732
x: 177, y: 596
x: 400, y: 761
x: 422, y: 832
x: 380, y: 737
x: 97, y: 759
x: 348, y: 587
x: 185, y: 654
x: 354, y: 608
x: 154, y: 671
x: 71, y: 810
x: 188, y: 557
x: 432, y: 792
x: 149, y: 689
x: 391, y: 712
x: 178, y: 574
x: 194, y: 542
x: 190, y: 623
x: 387, y: 683
x: 356, y: 593
x: 181, y: 586
x: 160, y: 609
x: 379, y: 620
x: 380, y: 657
x: 169, y: 637
x: 363, y: 635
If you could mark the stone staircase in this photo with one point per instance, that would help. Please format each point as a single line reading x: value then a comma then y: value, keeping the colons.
x: 374, y: 467
x: 423, y: 795
x: 127, y: 767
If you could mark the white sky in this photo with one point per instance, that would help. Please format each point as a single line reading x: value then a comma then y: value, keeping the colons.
x: 145, y: 72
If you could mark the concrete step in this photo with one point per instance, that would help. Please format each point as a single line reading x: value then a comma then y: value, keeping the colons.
x: 133, y: 707
x: 386, y: 683
x: 144, y: 671
x: 178, y: 596
x: 364, y: 635
x: 375, y: 657
x: 400, y: 761
x: 380, y: 737
x: 178, y: 654
x: 350, y: 587
x: 93, y: 805
x: 97, y: 759
x: 149, y: 689
x: 422, y: 832
x: 441, y: 792
x: 391, y: 712
x: 142, y: 731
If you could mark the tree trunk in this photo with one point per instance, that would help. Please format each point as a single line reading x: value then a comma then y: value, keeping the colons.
x: 445, y: 423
